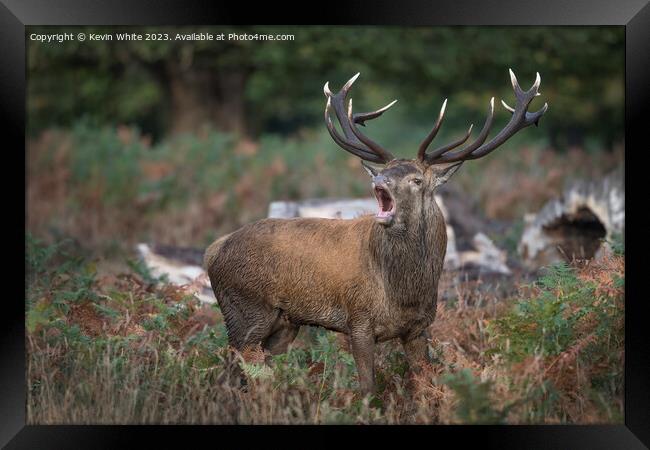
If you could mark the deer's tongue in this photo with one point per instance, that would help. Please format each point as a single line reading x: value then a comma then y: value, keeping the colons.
x: 385, y: 203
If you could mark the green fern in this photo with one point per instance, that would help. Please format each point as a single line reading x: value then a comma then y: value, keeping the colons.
x: 257, y: 371
x: 474, y: 403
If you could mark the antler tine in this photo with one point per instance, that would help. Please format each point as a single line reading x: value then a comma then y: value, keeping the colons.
x: 434, y: 131
x: 366, y: 140
x: 353, y: 142
x: 515, y: 84
x: 347, y: 145
x: 530, y: 117
x: 338, y: 101
x: 361, y: 118
x: 521, y: 118
x: 445, y: 148
x: 474, y: 145
x: 346, y: 87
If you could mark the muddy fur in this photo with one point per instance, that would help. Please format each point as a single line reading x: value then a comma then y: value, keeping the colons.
x: 370, y: 280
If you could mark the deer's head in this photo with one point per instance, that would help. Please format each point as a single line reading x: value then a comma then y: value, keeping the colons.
x: 404, y: 188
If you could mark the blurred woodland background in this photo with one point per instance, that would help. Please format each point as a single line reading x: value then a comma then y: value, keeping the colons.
x: 180, y: 142
x: 183, y: 141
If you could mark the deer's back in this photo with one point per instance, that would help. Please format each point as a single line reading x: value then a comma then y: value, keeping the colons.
x: 308, y: 267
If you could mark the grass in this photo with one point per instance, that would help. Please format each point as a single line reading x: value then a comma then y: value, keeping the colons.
x: 130, y: 348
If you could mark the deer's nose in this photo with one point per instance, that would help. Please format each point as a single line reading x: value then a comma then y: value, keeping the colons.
x: 380, y: 179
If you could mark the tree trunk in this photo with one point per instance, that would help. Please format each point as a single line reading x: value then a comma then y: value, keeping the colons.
x: 200, y: 97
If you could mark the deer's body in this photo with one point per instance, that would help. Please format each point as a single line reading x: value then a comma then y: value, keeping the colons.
x: 371, y: 278
x: 329, y: 272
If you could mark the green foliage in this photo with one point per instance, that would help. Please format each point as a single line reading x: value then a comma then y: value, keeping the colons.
x: 45, y: 262
x: 475, y: 405
x: 103, y: 164
x: 545, y: 324
x: 257, y: 371
x: 573, y: 322
x: 36, y: 256
x: 139, y: 267
x: 55, y: 280
x: 338, y: 369
x: 291, y: 368
x: 52, y: 285
x: 209, y: 340
x: 617, y: 244
x: 107, y: 311
x: 278, y: 84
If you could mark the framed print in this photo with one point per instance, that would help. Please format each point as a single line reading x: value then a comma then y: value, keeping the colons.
x: 408, y: 216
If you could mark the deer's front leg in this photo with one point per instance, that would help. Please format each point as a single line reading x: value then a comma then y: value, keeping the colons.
x: 362, y: 341
x: 417, y: 350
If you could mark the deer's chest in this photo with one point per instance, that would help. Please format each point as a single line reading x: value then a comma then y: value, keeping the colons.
x: 401, y: 320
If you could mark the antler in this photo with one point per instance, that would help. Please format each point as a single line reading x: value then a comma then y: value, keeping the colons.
x: 521, y: 118
x: 354, y: 141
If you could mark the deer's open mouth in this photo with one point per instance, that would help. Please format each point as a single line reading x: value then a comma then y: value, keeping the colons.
x: 386, y: 204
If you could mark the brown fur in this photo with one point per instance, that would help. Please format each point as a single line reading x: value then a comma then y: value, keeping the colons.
x: 360, y: 277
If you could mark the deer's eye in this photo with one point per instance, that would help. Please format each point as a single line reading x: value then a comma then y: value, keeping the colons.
x: 417, y: 181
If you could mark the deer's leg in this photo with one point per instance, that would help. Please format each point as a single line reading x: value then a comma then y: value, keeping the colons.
x: 281, y: 334
x: 416, y: 349
x: 279, y: 340
x: 248, y: 321
x: 363, y: 349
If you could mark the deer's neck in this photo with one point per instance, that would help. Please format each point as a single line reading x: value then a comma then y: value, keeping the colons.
x: 410, y: 262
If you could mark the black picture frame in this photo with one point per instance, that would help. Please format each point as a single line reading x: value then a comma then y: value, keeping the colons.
x: 634, y: 15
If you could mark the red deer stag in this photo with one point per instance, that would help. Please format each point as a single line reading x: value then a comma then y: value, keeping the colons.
x: 373, y: 278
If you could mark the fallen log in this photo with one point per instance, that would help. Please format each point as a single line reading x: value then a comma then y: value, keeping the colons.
x: 180, y: 266
x: 576, y: 224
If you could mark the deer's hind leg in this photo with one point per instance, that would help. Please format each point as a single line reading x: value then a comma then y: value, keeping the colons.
x: 248, y: 321
x: 282, y: 334
x: 416, y: 348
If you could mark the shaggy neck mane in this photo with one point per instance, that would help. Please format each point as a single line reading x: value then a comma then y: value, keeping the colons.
x: 408, y: 259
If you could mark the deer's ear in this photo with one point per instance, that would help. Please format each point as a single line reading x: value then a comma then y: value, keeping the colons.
x: 371, y: 170
x: 445, y: 173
